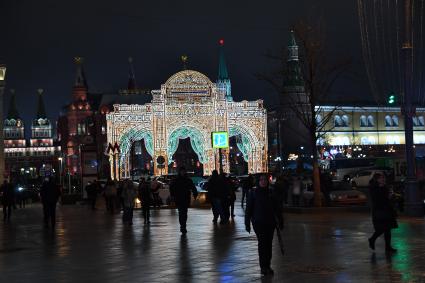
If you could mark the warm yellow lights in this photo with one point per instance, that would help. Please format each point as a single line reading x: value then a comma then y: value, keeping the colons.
x: 2, y: 73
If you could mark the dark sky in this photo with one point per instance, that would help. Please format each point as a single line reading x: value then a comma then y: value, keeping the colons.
x: 40, y: 39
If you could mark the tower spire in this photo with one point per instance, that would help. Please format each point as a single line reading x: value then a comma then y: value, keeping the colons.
x: 80, y: 85
x: 131, y: 85
x: 223, y: 79
x: 41, y: 110
x: 13, y: 111
x: 294, y: 76
x: 80, y: 78
x: 292, y: 48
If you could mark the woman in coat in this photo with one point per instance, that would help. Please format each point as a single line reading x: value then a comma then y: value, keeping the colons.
x: 383, y: 213
x: 264, y: 211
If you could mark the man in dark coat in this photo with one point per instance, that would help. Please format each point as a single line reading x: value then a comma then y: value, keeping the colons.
x: 8, y: 200
x: 145, y: 194
x: 383, y: 213
x: 264, y: 211
x: 181, y: 189
x: 214, y: 186
x: 247, y: 185
x: 49, y: 194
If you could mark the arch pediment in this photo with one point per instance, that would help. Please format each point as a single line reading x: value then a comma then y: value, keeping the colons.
x: 188, y: 82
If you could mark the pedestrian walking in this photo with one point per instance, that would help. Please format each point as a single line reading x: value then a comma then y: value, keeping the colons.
x: 232, y: 198
x: 265, y: 213
x: 110, y: 195
x: 49, y: 194
x: 296, y: 190
x: 214, y: 186
x: 225, y: 198
x: 91, y: 195
x: 155, y: 187
x: 8, y: 200
x: 247, y: 185
x: 129, y: 194
x: 383, y: 213
x: 146, y: 199
x: 181, y: 190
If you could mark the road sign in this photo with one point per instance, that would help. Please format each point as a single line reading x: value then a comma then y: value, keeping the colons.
x: 220, y: 139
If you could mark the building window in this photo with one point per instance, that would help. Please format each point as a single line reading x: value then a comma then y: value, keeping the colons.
x: 395, y: 121
x: 345, y: 121
x: 392, y: 140
x: 338, y: 122
x: 388, y: 121
x: 367, y: 140
x: 418, y: 121
x: 363, y: 121
x: 370, y: 121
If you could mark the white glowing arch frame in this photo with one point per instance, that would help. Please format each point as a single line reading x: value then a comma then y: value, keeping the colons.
x: 189, y: 105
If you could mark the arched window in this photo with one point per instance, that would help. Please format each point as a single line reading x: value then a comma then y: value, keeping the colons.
x: 370, y: 121
x: 338, y: 121
x: 341, y: 141
x: 318, y: 119
x: 367, y: 140
x: 395, y: 121
x: 415, y: 121
x: 388, y: 121
x: 363, y: 121
x: 392, y: 140
x: 421, y: 121
x: 345, y: 121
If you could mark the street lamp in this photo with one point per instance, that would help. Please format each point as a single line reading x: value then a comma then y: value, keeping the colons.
x: 60, y: 170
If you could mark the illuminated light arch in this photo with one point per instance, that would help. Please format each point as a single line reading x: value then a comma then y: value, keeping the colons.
x: 188, y: 105
x: 132, y: 135
x: 197, y: 140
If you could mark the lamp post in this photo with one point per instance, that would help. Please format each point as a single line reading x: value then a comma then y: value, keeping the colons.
x: 60, y: 170
x: 413, y: 204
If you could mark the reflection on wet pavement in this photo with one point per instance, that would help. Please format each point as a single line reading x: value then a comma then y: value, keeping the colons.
x: 92, y: 246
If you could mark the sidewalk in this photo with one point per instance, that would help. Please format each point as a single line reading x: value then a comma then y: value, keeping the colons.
x: 92, y: 246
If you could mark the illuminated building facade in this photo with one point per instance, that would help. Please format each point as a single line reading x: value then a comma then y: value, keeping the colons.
x: 188, y: 105
x: 39, y: 156
x: 2, y: 85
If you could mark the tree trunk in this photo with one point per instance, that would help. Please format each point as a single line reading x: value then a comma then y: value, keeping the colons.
x: 316, y: 175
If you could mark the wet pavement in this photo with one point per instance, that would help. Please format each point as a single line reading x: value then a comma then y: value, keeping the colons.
x: 92, y: 246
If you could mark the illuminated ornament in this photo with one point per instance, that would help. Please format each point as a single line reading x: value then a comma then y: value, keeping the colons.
x: 189, y: 105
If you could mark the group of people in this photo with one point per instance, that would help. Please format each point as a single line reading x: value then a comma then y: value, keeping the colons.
x: 222, y: 195
x: 263, y: 209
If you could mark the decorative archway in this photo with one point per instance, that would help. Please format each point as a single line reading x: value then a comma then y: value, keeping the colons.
x: 126, y: 141
x: 189, y: 105
x: 197, y: 141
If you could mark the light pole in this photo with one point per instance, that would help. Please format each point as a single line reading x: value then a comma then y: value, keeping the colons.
x: 60, y: 170
x: 413, y: 204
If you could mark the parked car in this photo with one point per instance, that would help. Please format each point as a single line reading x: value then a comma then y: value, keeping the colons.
x: 344, y: 194
x: 363, y: 177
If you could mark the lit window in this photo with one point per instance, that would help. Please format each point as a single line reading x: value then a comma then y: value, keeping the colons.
x: 395, y: 121
x: 345, y: 121
x: 388, y: 121
x: 370, y: 121
x: 363, y: 121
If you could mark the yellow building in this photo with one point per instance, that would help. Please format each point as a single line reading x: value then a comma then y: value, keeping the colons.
x: 369, y: 126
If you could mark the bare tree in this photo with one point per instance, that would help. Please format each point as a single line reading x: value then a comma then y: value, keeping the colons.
x: 319, y: 75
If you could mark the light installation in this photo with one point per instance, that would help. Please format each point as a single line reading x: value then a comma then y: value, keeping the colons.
x: 190, y: 106
x: 220, y: 140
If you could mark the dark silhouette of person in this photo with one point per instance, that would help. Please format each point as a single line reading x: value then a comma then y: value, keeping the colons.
x: 110, y: 195
x: 225, y: 197
x: 181, y: 189
x: 214, y: 186
x: 264, y: 211
x: 8, y: 200
x: 232, y: 197
x: 383, y: 213
x: 247, y: 185
x: 91, y: 195
x: 146, y: 199
x: 49, y: 193
x: 129, y: 194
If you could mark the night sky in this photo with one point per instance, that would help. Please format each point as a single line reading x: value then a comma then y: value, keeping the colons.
x: 40, y: 38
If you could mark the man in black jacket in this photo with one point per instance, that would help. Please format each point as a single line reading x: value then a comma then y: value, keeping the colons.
x: 181, y: 189
x: 8, y: 200
x: 264, y: 211
x: 49, y: 194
